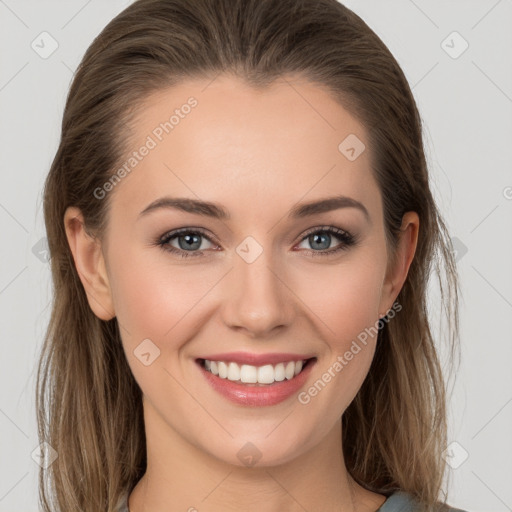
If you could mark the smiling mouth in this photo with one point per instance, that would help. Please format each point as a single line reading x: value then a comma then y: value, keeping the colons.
x: 265, y: 375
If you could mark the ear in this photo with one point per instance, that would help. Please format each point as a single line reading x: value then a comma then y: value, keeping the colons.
x: 89, y: 263
x: 397, y: 271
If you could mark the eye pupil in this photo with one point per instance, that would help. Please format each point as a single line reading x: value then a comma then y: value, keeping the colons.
x: 190, y: 241
x: 317, y: 236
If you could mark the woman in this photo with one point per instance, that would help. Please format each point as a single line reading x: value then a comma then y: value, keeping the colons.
x: 204, y: 352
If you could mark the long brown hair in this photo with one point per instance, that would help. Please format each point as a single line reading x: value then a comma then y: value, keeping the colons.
x: 89, y: 405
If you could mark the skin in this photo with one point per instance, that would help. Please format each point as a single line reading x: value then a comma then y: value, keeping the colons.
x: 258, y: 154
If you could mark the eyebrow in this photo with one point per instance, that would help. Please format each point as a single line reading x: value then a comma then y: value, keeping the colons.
x: 216, y: 211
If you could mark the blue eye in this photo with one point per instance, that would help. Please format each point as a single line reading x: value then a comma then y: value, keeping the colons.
x: 323, y: 237
x: 189, y: 241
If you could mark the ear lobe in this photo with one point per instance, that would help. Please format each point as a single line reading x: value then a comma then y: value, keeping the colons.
x: 90, y: 264
x: 397, y: 274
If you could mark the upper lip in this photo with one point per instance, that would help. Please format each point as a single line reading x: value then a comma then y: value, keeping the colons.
x: 257, y: 359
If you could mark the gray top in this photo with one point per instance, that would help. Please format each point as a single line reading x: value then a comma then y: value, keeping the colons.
x: 399, y: 501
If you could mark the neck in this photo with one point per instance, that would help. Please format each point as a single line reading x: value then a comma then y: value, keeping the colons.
x: 182, y: 477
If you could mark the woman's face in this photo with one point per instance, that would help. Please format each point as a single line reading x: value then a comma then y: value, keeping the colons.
x: 264, y: 279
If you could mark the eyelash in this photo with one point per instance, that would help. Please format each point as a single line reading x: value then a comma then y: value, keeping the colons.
x: 347, y: 240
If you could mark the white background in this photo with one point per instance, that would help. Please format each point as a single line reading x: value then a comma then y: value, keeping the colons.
x: 466, y: 106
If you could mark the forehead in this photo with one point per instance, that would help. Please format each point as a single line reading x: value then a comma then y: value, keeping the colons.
x: 246, y: 148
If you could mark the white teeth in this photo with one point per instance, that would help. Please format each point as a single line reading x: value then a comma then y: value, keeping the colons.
x: 233, y: 371
x: 223, y: 369
x: 279, y: 372
x: 289, y: 371
x: 249, y: 374
x: 266, y: 374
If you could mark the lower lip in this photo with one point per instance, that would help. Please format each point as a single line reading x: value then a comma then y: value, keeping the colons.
x: 255, y: 395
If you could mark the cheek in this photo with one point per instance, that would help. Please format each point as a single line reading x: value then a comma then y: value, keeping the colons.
x: 348, y: 314
x: 345, y: 298
x: 158, y: 302
x: 154, y: 299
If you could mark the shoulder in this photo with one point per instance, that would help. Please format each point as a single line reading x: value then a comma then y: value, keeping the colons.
x: 401, y: 501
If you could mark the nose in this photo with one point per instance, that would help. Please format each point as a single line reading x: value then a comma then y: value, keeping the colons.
x: 257, y: 298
